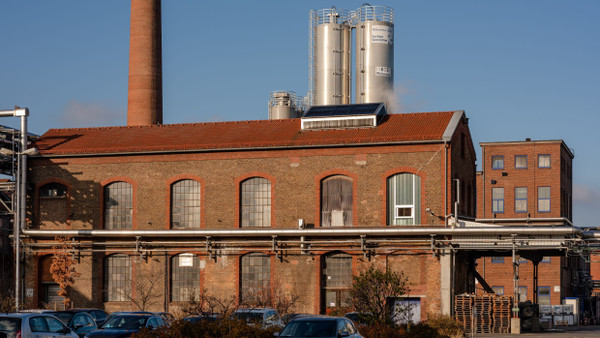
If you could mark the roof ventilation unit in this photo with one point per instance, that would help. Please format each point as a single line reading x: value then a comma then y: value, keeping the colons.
x: 343, y: 116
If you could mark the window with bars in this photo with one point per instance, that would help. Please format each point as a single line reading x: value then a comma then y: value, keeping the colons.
x: 53, y: 190
x: 117, y: 278
x: 185, y: 204
x: 118, y: 206
x: 336, y: 201
x: 185, y: 277
x: 255, y: 276
x: 404, y: 197
x: 521, y: 199
x: 255, y: 202
x: 543, y: 199
x: 336, y: 279
x: 497, y: 200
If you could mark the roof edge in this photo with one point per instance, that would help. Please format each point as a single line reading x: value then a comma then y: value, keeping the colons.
x: 452, y: 125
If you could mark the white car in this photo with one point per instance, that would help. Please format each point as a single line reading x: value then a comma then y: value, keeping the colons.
x: 26, y: 325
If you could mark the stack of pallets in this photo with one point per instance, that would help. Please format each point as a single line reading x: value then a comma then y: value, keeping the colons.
x: 483, y: 320
x: 501, y: 314
x: 483, y: 314
x: 463, y: 305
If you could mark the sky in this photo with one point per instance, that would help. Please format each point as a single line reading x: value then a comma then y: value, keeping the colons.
x: 519, y: 68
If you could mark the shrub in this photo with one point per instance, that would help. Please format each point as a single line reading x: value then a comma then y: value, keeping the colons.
x: 225, y: 328
x: 446, y: 326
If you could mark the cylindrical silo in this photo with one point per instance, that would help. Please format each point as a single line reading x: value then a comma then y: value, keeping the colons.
x: 374, y: 71
x: 332, y: 36
x: 284, y: 105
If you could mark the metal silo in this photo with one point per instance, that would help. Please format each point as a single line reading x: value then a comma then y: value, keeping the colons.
x: 374, y: 54
x: 331, y: 59
x: 284, y: 105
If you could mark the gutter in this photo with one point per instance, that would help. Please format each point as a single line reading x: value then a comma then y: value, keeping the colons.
x: 526, y: 219
x: 213, y: 150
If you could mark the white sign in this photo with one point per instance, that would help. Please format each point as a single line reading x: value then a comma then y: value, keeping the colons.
x: 382, y: 34
x: 29, y: 292
x: 186, y: 260
x: 383, y: 71
x: 556, y: 288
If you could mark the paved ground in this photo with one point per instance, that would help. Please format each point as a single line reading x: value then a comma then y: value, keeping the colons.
x: 565, y: 331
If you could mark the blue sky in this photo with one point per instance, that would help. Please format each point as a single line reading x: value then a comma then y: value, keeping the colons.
x: 518, y: 68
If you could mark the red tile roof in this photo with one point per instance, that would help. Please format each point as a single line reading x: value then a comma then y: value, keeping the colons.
x: 237, y: 134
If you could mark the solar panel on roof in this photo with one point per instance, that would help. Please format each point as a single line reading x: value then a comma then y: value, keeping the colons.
x: 345, y: 110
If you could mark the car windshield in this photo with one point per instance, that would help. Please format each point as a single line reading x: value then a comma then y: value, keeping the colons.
x: 125, y: 322
x: 10, y: 325
x: 64, y: 317
x: 310, y: 328
x: 250, y: 316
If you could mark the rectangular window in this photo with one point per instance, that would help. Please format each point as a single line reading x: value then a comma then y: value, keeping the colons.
x: 521, y: 199
x: 544, y: 161
x: 522, y: 293
x: 497, y: 162
x: 544, y: 295
x: 497, y: 259
x: 499, y: 290
x: 520, y: 161
x: 543, y: 199
x: 497, y: 200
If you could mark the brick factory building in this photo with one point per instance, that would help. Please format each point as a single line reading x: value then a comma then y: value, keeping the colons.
x: 217, y: 206
x: 529, y: 183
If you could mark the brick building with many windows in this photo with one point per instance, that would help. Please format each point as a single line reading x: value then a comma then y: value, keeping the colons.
x: 239, y: 207
x: 529, y: 183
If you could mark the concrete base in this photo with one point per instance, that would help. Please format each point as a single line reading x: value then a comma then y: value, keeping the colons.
x: 515, y: 325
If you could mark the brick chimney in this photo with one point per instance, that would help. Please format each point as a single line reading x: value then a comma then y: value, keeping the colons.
x: 144, y: 101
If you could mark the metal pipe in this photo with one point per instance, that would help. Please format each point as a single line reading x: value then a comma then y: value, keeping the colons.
x: 22, y: 195
x: 321, y: 232
x: 526, y: 219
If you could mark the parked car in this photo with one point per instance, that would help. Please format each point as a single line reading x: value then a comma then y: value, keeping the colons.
x: 13, y: 325
x: 79, y: 321
x: 264, y: 316
x: 321, y: 326
x: 291, y: 316
x: 210, y: 317
x: 360, y: 318
x: 124, y: 325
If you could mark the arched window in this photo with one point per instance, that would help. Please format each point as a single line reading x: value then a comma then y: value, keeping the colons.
x: 404, y: 199
x: 185, y: 204
x: 117, y: 278
x: 336, y: 280
x: 336, y: 201
x: 53, y: 204
x: 118, y: 206
x: 185, y: 277
x: 255, y: 202
x: 255, y: 276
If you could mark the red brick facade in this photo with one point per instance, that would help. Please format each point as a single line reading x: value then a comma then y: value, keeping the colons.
x: 295, y: 175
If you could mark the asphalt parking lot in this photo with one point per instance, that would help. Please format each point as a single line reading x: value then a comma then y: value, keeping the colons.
x: 567, y: 332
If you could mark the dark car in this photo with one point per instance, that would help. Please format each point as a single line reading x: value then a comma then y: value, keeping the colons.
x: 322, y: 326
x: 79, y: 321
x: 210, y: 317
x: 124, y: 325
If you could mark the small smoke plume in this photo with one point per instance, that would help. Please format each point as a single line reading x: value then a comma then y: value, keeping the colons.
x: 79, y: 114
x: 393, y: 99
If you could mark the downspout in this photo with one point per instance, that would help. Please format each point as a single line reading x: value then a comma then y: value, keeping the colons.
x: 446, y: 184
x: 483, y: 178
